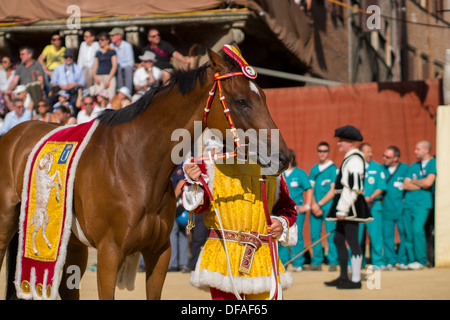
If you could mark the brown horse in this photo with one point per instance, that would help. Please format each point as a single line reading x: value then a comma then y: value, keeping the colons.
x: 123, y: 196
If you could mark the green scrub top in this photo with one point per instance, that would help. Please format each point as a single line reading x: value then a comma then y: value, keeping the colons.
x: 375, y: 179
x: 393, y: 197
x: 322, y: 181
x: 424, y: 197
x: 298, y: 183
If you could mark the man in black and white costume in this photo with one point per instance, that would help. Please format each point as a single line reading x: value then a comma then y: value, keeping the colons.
x: 349, y: 207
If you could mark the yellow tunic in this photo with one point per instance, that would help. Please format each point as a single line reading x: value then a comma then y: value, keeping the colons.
x: 237, y: 195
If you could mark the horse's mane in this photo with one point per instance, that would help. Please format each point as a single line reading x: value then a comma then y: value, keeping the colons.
x: 186, y: 81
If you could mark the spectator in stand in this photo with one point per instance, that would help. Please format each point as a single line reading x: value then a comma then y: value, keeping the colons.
x: 122, y: 99
x: 105, y: 67
x: 43, y: 112
x: 164, y: 51
x: 86, y: 56
x: 69, y: 77
x: 89, y: 111
x: 51, y: 57
x: 103, y: 100
x: 13, y: 118
x: 146, y: 76
x: 63, y: 115
x: 63, y: 100
x: 125, y: 58
x: 7, y: 73
x: 21, y: 92
x: 28, y: 71
x: 178, y: 236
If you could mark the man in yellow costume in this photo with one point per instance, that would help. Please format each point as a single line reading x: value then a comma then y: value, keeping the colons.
x: 237, y: 213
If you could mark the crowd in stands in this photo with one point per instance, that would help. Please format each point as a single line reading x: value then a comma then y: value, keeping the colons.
x: 68, y: 88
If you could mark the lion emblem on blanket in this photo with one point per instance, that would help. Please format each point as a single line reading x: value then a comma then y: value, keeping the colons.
x: 44, y: 185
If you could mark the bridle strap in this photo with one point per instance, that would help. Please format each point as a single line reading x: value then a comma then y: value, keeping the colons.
x: 218, y: 85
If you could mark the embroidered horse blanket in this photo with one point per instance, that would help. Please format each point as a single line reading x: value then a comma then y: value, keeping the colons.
x: 46, y: 210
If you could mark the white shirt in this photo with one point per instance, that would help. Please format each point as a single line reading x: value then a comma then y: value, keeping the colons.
x: 140, y: 77
x: 82, y: 117
x: 87, y: 53
x: 4, y: 80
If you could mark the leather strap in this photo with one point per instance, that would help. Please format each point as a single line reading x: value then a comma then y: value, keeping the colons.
x: 251, y: 240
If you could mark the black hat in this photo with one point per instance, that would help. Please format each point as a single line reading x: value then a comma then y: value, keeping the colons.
x: 349, y: 133
x: 69, y: 53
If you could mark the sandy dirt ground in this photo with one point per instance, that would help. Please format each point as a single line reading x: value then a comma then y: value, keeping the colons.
x: 427, y: 284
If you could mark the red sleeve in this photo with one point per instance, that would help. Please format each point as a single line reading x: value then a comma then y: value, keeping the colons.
x: 285, y: 206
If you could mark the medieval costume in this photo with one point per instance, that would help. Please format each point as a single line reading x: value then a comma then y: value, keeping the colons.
x: 350, y: 204
x: 237, y: 193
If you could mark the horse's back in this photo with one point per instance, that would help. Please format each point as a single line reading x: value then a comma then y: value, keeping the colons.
x: 15, y: 146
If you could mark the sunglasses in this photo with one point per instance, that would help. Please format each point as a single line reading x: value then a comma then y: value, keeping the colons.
x: 154, y: 36
x: 387, y: 157
x: 322, y: 151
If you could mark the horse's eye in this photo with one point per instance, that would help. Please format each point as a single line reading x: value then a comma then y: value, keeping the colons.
x: 240, y: 103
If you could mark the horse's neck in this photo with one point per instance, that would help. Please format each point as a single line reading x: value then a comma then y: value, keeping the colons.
x: 164, y: 122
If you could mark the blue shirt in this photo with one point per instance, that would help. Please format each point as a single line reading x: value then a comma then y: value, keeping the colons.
x: 105, y: 61
x: 64, y: 74
x: 424, y: 197
x: 298, y: 183
x: 322, y: 180
x: 11, y: 120
x: 125, y: 54
x: 393, y: 197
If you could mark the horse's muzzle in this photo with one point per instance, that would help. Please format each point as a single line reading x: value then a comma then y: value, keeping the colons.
x: 275, y: 164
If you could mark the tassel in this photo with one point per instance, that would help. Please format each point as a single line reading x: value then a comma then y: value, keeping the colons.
x: 191, y: 223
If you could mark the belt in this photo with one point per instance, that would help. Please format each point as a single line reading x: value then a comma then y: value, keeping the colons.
x: 251, y: 240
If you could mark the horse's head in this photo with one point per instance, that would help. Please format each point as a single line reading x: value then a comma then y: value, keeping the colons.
x: 46, y: 162
x: 247, y: 106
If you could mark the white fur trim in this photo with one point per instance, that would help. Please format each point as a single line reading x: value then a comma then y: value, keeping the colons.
x: 204, y: 279
x: 192, y: 197
x: 78, y: 232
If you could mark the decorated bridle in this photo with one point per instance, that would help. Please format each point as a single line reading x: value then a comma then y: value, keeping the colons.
x: 249, y: 72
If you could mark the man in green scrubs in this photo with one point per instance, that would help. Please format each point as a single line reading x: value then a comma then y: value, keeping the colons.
x: 322, y: 177
x: 419, y: 197
x: 395, y: 172
x: 374, y: 186
x: 300, y: 191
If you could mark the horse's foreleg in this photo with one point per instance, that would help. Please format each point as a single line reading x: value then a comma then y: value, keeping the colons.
x: 57, y: 175
x: 156, y: 265
x: 76, y: 262
x: 109, y: 261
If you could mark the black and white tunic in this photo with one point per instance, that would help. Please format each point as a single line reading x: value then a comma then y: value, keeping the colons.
x: 349, y: 189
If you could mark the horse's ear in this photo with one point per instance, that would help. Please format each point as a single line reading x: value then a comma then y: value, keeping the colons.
x: 217, y: 62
